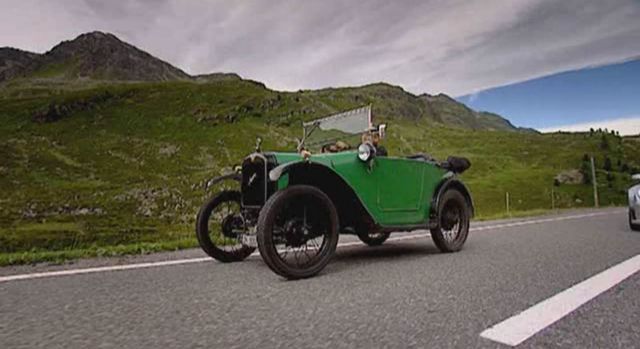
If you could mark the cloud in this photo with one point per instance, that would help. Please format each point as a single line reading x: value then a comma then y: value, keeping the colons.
x: 473, y: 97
x: 455, y: 46
x: 626, y: 126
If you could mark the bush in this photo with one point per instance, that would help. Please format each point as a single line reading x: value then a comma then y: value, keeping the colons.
x: 604, y: 142
x: 607, y: 164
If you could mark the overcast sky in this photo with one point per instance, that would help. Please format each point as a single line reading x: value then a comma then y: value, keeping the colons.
x: 455, y: 47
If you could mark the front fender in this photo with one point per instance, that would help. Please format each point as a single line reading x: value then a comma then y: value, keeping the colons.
x: 351, y: 209
x: 237, y: 176
x: 279, y: 170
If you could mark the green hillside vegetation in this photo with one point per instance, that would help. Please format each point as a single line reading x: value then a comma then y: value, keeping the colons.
x: 121, y: 168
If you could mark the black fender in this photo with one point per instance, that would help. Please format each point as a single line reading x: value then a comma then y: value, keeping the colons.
x: 351, y: 210
x: 450, y: 181
x: 236, y: 176
x: 279, y: 170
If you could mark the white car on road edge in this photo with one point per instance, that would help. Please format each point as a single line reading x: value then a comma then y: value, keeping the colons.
x: 634, y: 204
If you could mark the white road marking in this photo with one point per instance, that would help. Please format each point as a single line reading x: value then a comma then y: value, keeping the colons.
x: 68, y: 272
x: 519, y: 328
x: 102, y: 269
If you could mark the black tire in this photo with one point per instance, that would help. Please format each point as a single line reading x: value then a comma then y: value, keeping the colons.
x: 279, y: 208
x: 220, y: 253
x: 373, y: 239
x: 454, y: 216
x: 634, y: 227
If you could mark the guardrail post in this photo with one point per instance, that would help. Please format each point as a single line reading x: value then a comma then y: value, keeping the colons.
x: 507, y: 200
x: 595, y: 183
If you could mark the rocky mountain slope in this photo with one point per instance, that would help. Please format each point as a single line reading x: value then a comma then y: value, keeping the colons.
x: 98, y: 56
x: 14, y: 61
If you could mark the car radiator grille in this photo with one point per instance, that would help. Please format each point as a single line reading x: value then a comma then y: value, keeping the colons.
x: 255, y: 186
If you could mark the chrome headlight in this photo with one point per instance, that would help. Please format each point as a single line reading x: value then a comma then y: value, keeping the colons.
x: 366, y: 151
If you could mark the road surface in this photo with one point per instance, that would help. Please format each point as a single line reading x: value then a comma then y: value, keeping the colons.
x: 571, y: 280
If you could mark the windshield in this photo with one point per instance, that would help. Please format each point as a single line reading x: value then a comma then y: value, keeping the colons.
x: 341, y: 130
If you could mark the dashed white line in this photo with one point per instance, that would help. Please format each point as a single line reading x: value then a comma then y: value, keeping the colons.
x: 519, y: 328
x: 69, y: 272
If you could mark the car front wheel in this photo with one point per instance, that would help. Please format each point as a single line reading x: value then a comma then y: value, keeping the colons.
x: 298, y: 231
x: 453, y: 222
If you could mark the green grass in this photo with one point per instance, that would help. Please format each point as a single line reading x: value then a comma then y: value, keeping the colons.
x: 520, y: 214
x: 55, y: 70
x: 123, y: 167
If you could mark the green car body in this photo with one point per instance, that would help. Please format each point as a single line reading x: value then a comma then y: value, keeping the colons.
x: 395, y: 193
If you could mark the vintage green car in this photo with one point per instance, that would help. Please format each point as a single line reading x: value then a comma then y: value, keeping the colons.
x: 292, y: 205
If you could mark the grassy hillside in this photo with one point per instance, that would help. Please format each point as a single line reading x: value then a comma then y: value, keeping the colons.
x: 121, y: 168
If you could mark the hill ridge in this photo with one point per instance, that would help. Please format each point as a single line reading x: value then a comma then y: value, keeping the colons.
x: 102, y: 56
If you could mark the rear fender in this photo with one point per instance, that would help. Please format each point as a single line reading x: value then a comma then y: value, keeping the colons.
x: 450, y: 182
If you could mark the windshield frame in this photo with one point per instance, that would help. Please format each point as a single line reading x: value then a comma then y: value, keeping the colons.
x: 310, y: 126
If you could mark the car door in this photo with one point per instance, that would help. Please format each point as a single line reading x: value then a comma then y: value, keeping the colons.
x: 400, y: 184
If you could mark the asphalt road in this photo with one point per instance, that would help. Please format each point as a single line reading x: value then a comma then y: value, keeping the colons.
x: 404, y: 294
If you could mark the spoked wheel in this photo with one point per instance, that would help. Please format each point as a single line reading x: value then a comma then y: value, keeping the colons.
x: 298, y: 231
x: 220, y: 226
x: 373, y: 239
x: 453, y: 225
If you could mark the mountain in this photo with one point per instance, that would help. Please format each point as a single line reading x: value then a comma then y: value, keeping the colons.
x: 14, y: 61
x: 449, y: 111
x: 389, y: 100
x: 98, y: 56
x: 213, y: 77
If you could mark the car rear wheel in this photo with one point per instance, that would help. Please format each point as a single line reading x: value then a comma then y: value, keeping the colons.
x: 298, y: 231
x: 454, y: 215
x: 373, y: 239
x: 633, y: 226
x: 220, y: 226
